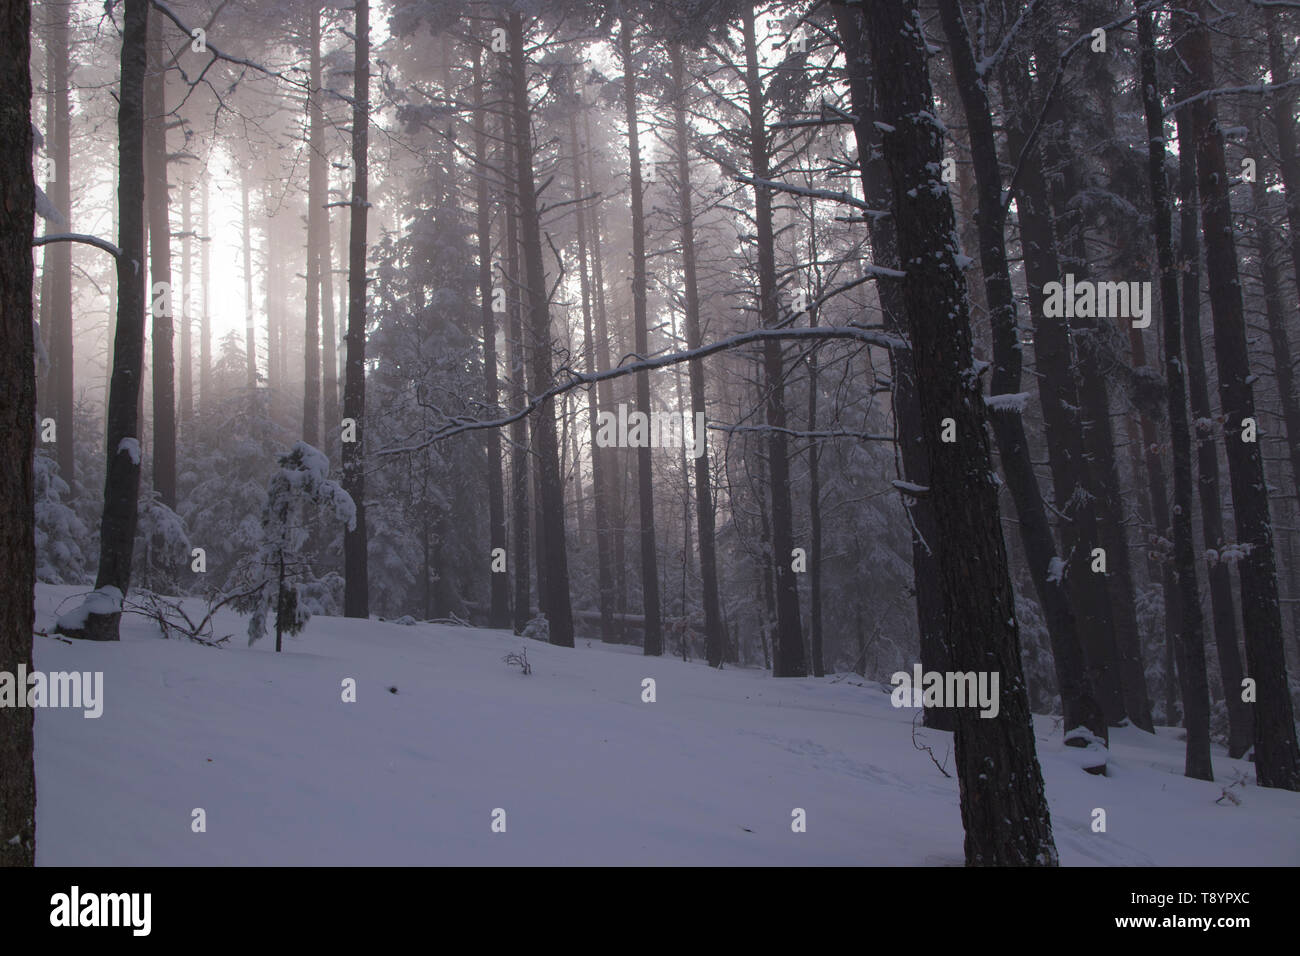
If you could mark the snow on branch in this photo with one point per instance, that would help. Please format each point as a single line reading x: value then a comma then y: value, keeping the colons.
x: 95, y: 241
x: 1257, y: 88
x: 460, y: 425
x: 984, y: 66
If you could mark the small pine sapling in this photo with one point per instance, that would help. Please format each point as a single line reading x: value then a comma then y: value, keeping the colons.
x: 275, y: 571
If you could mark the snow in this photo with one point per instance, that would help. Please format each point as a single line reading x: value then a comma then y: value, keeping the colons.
x: 289, y: 774
x: 1056, y: 569
x: 104, y: 601
x: 1008, y: 402
x: 132, y: 447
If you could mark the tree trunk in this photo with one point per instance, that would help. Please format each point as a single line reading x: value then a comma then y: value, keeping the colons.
x: 519, y: 450
x: 600, y: 498
x: 1195, y: 686
x: 1045, y: 565
x: 714, y: 637
x: 17, y: 418
x: 558, y: 609
x: 498, y: 583
x: 58, y: 256
x: 1121, y: 684
x: 122, y: 481
x: 356, y: 588
x: 316, y: 190
x: 877, y: 191
x: 1277, y: 760
x: 160, y: 271
x: 652, y: 632
x: 788, y: 659
x: 1223, y: 610
x: 1003, y: 806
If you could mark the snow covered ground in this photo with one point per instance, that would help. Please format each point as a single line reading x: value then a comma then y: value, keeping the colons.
x: 586, y: 772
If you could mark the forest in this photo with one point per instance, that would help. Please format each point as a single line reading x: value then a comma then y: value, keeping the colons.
x: 824, y: 338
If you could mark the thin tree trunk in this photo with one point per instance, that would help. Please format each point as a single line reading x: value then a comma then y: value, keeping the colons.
x: 498, y: 583
x: 1196, y: 693
x: 17, y: 417
x: 1222, y: 607
x: 789, y: 653
x: 58, y: 256
x: 316, y: 225
x: 714, y: 637
x: 652, y: 631
x: 558, y: 609
x: 599, y: 461
x: 519, y: 450
x: 1277, y: 759
x: 1003, y: 805
x: 160, y: 272
x: 356, y: 588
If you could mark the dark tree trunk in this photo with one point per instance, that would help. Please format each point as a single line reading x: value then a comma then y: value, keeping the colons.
x: 1008, y: 424
x: 605, y: 399
x: 558, y: 609
x: 1277, y: 760
x: 1003, y: 805
x: 356, y: 588
x: 652, y: 631
x: 1195, y: 686
x: 160, y: 271
x: 788, y: 659
x: 1120, y: 684
x: 599, y: 461
x: 1067, y: 460
x: 58, y: 256
x: 498, y: 584
x: 907, y: 410
x: 122, y: 481
x: 714, y: 638
x: 1223, y: 610
x: 519, y: 450
x: 316, y: 189
x: 17, y: 419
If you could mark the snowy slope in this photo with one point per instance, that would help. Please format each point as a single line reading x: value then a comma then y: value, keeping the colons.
x: 587, y: 773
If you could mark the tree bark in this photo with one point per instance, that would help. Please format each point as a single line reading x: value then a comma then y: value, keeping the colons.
x: 714, y: 637
x: 652, y: 632
x: 788, y: 659
x: 1008, y: 425
x: 122, y: 481
x: 1277, y: 759
x: 498, y: 583
x: 316, y: 189
x: 558, y: 609
x: 877, y: 191
x: 1222, y: 607
x: 356, y: 588
x: 17, y: 421
x: 1003, y: 805
x: 58, y: 256
x: 1195, y: 686
x: 162, y: 327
